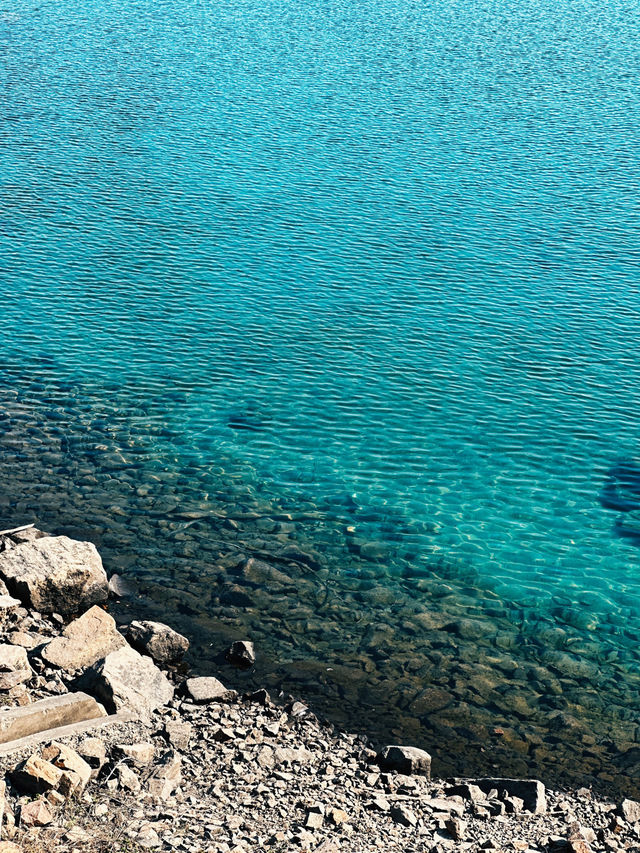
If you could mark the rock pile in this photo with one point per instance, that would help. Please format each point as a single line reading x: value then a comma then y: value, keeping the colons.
x: 188, y: 765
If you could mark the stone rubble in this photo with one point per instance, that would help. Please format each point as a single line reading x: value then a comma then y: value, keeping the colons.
x: 203, y: 769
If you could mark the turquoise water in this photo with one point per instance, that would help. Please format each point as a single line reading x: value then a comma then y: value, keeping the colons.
x: 371, y: 266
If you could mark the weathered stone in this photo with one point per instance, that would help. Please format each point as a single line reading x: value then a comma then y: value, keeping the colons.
x: 55, y: 574
x: 629, y: 810
x: 65, y: 758
x: 530, y: 791
x: 445, y: 804
x: 178, y: 734
x: 46, y: 714
x: 84, y: 641
x: 35, y: 775
x: 166, y: 777
x: 8, y: 604
x: 407, y: 760
x: 25, y: 639
x: 467, y: 792
x: 35, y: 813
x: 337, y: 816
x: 55, y: 798
x: 128, y: 779
x: 314, y: 819
x: 140, y: 753
x: 242, y: 654
x: 93, y: 751
x: 287, y: 755
x: 206, y: 689
x: 456, y: 828
x: 159, y: 641
x: 403, y: 816
x: 126, y: 679
x: 9, y: 680
x: 70, y: 783
x: 578, y: 845
x: 13, y: 658
x: 119, y: 587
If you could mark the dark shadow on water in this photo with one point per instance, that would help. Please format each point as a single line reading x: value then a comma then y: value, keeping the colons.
x: 621, y: 492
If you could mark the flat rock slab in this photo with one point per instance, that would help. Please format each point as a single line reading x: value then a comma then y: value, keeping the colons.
x: 206, y: 689
x: 84, y: 641
x: 125, y: 679
x: 61, y: 732
x: 46, y: 714
x: 55, y: 574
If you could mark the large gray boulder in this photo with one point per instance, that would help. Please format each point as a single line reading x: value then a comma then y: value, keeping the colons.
x: 125, y: 679
x: 84, y: 641
x: 407, y: 760
x: 55, y: 574
x: 158, y: 640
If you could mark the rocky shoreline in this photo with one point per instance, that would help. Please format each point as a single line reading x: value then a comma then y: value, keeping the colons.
x: 161, y: 760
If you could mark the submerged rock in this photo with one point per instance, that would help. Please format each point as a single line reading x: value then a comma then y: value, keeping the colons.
x: 242, y: 654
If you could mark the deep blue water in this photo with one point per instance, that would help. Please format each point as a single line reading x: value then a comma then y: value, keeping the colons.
x: 379, y: 258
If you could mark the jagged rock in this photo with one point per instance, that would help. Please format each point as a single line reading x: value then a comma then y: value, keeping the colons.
x: 119, y: 587
x: 35, y: 775
x: 25, y: 639
x: 140, y: 753
x: 287, y: 755
x: 35, y: 813
x: 94, y: 752
x: 337, y: 816
x: 530, y: 791
x: 67, y: 759
x: 13, y: 658
x: 178, y: 734
x: 406, y: 760
x: 127, y: 779
x: 315, y: 817
x: 380, y: 804
x: 456, y: 828
x: 159, y: 641
x: 629, y: 810
x: 206, y: 689
x: 445, y: 804
x: 9, y: 680
x: 403, y: 816
x: 166, y: 777
x: 126, y: 679
x: 242, y: 654
x: 84, y: 641
x: 466, y: 791
x: 8, y: 604
x: 55, y: 574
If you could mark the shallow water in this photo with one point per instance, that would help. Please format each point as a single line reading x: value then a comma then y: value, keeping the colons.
x: 361, y: 280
